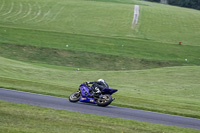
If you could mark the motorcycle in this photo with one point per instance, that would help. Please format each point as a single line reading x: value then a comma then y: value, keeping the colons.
x: 84, y: 95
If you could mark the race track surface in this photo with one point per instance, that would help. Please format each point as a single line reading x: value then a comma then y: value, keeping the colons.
x: 111, y: 111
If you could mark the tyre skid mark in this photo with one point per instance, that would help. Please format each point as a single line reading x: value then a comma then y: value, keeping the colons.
x: 25, y: 12
x: 2, y: 6
x: 55, y: 15
x: 44, y: 16
x: 51, y: 15
x: 29, y: 11
x: 37, y: 14
x: 17, y: 13
x: 22, y: 12
x: 10, y: 10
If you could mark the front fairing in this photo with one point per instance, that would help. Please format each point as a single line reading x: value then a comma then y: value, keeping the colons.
x: 85, y: 92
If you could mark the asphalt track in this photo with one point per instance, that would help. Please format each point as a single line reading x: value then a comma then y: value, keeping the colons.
x: 111, y: 111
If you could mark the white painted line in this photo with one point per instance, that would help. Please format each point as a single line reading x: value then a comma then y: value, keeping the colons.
x: 135, y: 16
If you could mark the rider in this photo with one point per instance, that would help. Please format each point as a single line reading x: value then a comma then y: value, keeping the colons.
x: 98, y: 85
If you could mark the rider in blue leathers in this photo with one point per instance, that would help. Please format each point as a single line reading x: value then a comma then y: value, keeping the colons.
x: 98, y: 85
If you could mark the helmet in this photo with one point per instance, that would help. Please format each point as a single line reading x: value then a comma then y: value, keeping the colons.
x: 101, y: 80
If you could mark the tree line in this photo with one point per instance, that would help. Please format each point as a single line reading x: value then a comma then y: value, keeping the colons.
x: 195, y: 4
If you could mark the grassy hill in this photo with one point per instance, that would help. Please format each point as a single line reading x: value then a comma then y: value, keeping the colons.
x: 113, y: 18
x: 42, y: 43
x: 172, y: 90
x: 94, y: 28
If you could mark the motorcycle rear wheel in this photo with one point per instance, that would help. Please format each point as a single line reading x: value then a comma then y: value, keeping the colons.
x: 105, y: 100
x: 75, y: 97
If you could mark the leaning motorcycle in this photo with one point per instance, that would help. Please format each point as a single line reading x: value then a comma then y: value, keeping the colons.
x: 84, y: 95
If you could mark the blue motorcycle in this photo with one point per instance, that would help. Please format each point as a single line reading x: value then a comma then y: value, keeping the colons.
x: 84, y: 95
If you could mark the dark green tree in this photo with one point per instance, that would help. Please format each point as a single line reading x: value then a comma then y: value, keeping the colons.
x: 183, y: 3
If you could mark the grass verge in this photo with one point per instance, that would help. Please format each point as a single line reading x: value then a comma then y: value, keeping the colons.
x: 18, y: 118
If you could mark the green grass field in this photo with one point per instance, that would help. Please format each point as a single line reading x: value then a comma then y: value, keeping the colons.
x: 173, y: 90
x: 18, y: 118
x: 145, y: 64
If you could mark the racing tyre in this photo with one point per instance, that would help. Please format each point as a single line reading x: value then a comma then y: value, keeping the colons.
x: 75, y: 97
x: 105, y: 100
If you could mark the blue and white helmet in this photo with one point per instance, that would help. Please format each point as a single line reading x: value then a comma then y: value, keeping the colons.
x: 101, y: 80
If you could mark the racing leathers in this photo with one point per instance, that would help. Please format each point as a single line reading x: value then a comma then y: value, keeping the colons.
x: 97, y: 86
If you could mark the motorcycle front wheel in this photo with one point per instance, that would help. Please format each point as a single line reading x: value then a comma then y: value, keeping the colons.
x: 105, y: 100
x: 75, y: 97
